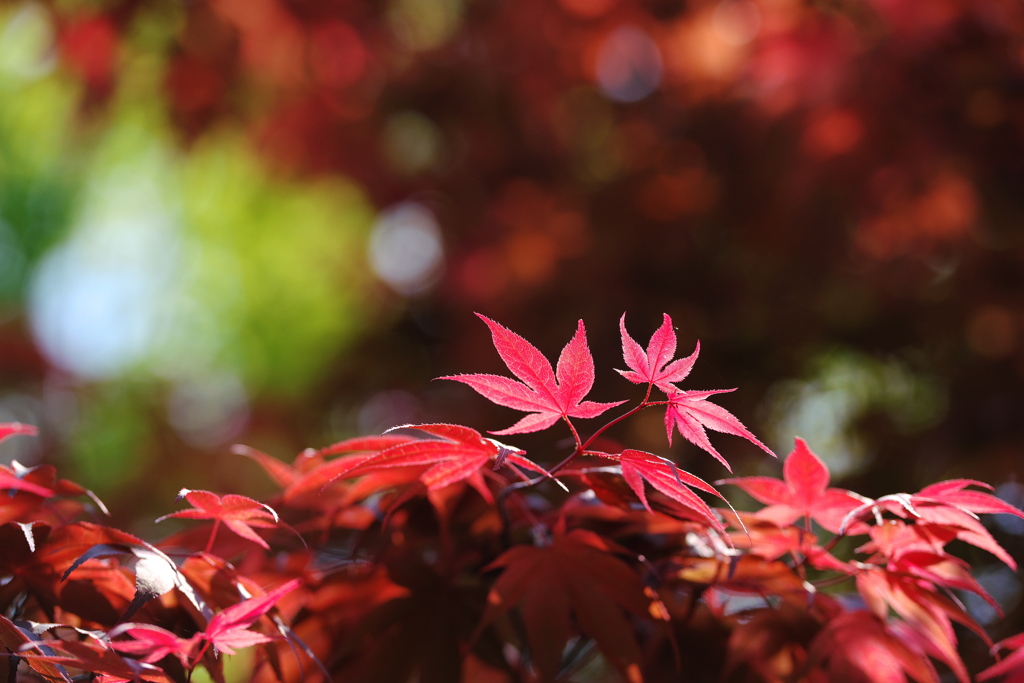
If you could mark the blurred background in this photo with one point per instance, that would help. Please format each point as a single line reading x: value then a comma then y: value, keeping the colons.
x: 270, y: 222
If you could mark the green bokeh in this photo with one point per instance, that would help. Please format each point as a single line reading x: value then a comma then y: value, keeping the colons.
x: 38, y: 181
x: 252, y: 277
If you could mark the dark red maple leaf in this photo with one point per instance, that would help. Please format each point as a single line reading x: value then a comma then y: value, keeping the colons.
x: 238, y: 513
x: 574, y: 575
x: 15, y: 639
x: 743, y: 574
x: 98, y: 658
x: 803, y: 493
x: 155, y: 572
x: 655, y: 365
x: 547, y: 394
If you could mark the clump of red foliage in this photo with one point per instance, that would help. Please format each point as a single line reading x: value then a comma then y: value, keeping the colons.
x: 434, y: 553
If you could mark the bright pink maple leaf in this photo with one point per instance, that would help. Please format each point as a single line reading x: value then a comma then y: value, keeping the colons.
x: 691, y: 413
x: 455, y: 454
x: 803, y: 493
x: 954, y: 492
x: 663, y: 475
x: 655, y: 365
x: 546, y: 394
x: 687, y: 411
x: 227, y: 631
x: 947, y: 504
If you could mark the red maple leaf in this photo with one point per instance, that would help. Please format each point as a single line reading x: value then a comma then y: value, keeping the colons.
x: 767, y: 540
x: 152, y: 642
x: 954, y: 492
x: 687, y: 411
x: 546, y: 394
x: 95, y: 657
x: 457, y: 453
x: 16, y: 639
x: 309, y: 473
x: 859, y: 646
x: 691, y: 413
x: 229, y: 628
x: 918, y: 550
x: 655, y: 365
x: 664, y: 476
x: 926, y: 612
x: 933, y: 528
x: 238, y: 513
x: 953, y: 522
x: 12, y: 479
x: 803, y: 493
x: 1012, y: 666
x: 574, y: 575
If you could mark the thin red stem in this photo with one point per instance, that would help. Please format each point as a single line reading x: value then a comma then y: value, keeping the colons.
x: 576, y: 451
x: 213, y: 534
x: 575, y: 434
x: 581, y: 446
x: 202, y: 651
x: 643, y: 403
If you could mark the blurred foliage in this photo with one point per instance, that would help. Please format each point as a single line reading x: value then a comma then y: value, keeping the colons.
x: 39, y: 183
x: 827, y: 194
x: 156, y: 295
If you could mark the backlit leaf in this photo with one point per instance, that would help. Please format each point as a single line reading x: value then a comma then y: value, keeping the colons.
x: 238, y: 513
x: 690, y: 413
x: 655, y: 365
x: 663, y: 475
x: 547, y: 394
x: 803, y: 492
x: 455, y: 454
x: 227, y: 631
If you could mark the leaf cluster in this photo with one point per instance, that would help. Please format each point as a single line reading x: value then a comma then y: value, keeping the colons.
x: 436, y: 553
